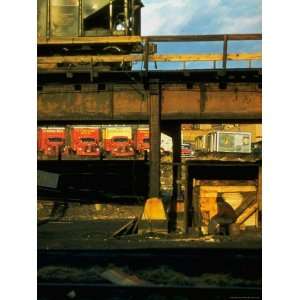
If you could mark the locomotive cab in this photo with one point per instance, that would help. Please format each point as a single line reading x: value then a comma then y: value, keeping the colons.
x: 75, y: 18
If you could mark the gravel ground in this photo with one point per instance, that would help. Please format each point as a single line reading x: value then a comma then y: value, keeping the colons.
x: 98, y: 235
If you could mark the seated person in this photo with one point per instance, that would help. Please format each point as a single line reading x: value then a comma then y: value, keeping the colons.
x: 225, y: 216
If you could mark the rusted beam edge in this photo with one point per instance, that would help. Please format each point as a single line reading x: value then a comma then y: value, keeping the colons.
x: 203, y: 118
x: 208, y: 119
x: 49, y: 61
x: 205, y: 38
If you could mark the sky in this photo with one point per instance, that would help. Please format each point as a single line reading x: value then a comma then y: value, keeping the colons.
x: 175, y: 17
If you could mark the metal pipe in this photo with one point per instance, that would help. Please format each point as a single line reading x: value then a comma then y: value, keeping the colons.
x: 80, y: 25
x: 48, y: 25
x: 111, y: 17
x: 126, y: 16
x: 132, y: 17
x: 225, y: 51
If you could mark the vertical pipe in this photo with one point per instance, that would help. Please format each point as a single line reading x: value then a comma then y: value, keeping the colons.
x: 259, y: 197
x: 154, y: 103
x: 196, y: 210
x: 126, y: 16
x: 146, y: 56
x: 188, y: 196
x: 173, y: 129
x: 225, y: 51
x: 176, y: 136
x: 48, y: 26
x: 111, y: 17
x: 80, y: 24
x: 186, y: 201
x: 132, y: 25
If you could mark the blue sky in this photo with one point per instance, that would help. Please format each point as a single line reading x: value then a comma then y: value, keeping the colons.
x: 164, y: 17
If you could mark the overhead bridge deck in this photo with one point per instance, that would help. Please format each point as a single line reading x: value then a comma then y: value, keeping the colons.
x: 184, y: 96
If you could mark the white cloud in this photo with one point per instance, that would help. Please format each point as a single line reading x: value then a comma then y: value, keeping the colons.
x: 165, y: 17
x: 173, y: 16
x: 240, y: 24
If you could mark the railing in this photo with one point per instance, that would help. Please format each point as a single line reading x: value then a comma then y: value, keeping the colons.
x: 148, y: 56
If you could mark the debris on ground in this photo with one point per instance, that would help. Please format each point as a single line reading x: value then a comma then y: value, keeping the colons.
x: 117, y: 276
x: 165, y: 276
x: 223, y: 280
x: 128, y: 228
x: 124, y: 276
x: 70, y: 274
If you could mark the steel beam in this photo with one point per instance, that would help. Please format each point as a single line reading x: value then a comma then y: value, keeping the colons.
x: 154, y: 118
x: 128, y: 102
x: 139, y: 39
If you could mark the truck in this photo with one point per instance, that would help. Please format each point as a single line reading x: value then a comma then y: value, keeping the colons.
x: 141, y: 140
x: 51, y: 140
x: 84, y: 141
x: 117, y: 142
x: 186, y: 150
x: 231, y: 142
x: 166, y: 144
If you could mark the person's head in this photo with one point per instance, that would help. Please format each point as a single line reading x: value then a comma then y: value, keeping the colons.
x: 220, y: 199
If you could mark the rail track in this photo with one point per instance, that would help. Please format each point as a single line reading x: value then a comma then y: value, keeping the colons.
x: 242, y: 263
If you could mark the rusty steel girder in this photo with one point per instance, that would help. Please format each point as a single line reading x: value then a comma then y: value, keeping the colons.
x: 124, y: 102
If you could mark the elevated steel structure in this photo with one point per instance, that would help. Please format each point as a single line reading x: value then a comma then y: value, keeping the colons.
x: 76, y: 89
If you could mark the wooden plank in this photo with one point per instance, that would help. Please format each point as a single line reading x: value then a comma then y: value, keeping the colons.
x: 247, y: 213
x: 228, y: 189
x: 48, y: 60
x: 203, y: 57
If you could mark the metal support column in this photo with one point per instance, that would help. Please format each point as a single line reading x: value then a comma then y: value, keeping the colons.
x: 173, y: 129
x: 225, y: 46
x: 188, y: 194
x: 259, y: 197
x: 154, y: 119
